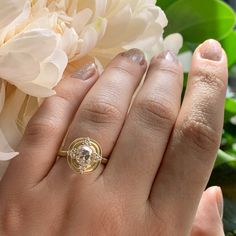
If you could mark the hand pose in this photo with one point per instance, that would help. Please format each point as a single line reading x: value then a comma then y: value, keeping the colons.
x: 160, y: 152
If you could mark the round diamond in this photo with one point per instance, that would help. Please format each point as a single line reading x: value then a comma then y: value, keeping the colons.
x: 84, y: 155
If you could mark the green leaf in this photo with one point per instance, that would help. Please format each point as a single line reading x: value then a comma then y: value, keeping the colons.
x: 229, y: 217
x: 230, y: 108
x: 198, y: 20
x: 230, y: 104
x: 223, y: 158
x: 164, y: 4
x: 229, y: 44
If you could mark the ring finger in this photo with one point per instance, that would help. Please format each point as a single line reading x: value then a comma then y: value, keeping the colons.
x: 103, y: 111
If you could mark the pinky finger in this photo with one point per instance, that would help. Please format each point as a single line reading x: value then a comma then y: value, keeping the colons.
x: 209, y: 214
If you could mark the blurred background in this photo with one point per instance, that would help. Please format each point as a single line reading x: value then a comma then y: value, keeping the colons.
x: 198, y: 20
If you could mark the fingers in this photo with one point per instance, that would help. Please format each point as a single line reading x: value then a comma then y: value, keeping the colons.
x: 102, y: 113
x: 46, y: 130
x: 192, y: 149
x: 143, y: 140
x: 209, y: 214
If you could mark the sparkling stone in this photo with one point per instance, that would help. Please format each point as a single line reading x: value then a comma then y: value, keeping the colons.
x: 84, y: 155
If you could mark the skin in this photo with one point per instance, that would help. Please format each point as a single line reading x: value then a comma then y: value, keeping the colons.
x: 161, y: 153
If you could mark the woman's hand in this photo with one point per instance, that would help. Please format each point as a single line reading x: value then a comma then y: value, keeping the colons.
x: 161, y: 153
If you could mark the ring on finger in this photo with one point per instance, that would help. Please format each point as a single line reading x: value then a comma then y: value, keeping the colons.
x: 84, y: 155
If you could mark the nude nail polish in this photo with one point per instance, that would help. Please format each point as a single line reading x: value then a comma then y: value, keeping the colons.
x: 169, y: 56
x: 220, y: 202
x: 211, y: 50
x: 85, y: 72
x: 135, y: 55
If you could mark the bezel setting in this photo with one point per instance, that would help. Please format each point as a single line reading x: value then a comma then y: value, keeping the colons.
x: 84, y: 155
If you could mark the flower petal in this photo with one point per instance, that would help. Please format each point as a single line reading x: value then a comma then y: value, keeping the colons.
x: 36, y: 90
x: 91, y: 35
x: 10, y: 133
x: 10, y: 10
x: 25, y: 67
x: 173, y: 42
x: 116, y: 28
x: 12, y: 28
x: 39, y: 43
x: 52, y: 70
x: 81, y: 19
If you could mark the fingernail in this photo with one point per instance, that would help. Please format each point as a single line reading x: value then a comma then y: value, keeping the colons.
x: 135, y: 55
x: 211, y: 50
x: 220, y: 202
x: 85, y: 72
x: 169, y: 56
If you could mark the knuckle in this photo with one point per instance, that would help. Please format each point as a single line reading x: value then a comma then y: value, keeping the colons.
x: 200, y: 135
x: 155, y: 113
x: 173, y: 70
x: 124, y: 68
x: 100, y: 112
x: 41, y: 127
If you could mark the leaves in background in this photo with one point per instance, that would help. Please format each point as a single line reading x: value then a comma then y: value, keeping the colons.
x: 225, y: 176
x: 229, y: 44
x: 164, y: 4
x: 223, y: 158
x: 230, y: 108
x: 198, y: 20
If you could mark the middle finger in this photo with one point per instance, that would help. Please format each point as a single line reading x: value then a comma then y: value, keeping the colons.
x: 102, y: 113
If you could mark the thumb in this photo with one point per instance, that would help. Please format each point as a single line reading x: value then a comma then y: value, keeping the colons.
x: 208, y: 220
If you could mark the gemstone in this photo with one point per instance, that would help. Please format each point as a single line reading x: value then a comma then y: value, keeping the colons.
x: 84, y: 155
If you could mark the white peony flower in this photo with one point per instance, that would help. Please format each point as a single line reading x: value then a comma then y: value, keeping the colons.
x: 38, y: 38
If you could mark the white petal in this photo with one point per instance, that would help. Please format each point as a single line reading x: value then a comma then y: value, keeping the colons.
x: 39, y: 43
x: 162, y: 19
x: 173, y: 42
x: 91, y: 35
x: 36, y: 90
x: 52, y: 70
x: 10, y: 30
x: 6, y: 152
x: 116, y: 28
x: 81, y: 19
x: 10, y: 10
x: 25, y: 67
x: 70, y: 42
x: 150, y: 38
x: 11, y: 135
x: 4, y: 156
x: 100, y: 7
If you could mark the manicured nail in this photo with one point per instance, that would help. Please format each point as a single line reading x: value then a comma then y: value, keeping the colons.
x: 85, y: 72
x: 211, y: 50
x: 135, y: 55
x: 220, y: 202
x: 169, y: 56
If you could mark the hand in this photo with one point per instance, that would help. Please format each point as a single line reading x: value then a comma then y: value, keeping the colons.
x: 161, y: 153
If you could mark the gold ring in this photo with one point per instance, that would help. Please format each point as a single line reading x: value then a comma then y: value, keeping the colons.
x: 84, y: 155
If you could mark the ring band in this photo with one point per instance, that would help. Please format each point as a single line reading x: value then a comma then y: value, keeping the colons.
x: 84, y: 155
